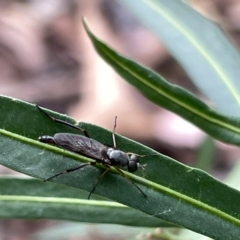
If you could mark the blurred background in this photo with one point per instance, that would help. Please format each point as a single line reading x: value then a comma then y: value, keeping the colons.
x: 47, y: 58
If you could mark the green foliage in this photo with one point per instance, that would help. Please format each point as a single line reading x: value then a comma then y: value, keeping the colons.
x: 176, y: 193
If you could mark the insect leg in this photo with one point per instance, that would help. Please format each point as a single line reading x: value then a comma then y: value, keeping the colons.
x: 138, y: 155
x: 99, y: 178
x: 122, y: 173
x: 113, y: 133
x: 64, y: 122
x: 71, y: 170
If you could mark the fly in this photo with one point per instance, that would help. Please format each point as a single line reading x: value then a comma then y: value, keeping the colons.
x: 84, y: 145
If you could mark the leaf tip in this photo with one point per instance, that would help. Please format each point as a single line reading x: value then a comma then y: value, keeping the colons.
x: 86, y: 25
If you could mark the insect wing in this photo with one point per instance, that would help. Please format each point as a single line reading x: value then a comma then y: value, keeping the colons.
x: 80, y: 144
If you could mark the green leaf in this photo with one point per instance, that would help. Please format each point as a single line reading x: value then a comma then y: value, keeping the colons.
x: 47, y: 200
x: 175, y: 193
x: 169, y: 96
x: 200, y: 46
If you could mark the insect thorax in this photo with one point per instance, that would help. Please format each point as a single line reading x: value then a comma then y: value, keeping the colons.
x: 117, y: 157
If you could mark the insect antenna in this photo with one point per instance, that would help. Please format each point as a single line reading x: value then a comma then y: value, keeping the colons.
x: 64, y: 122
x: 138, y: 155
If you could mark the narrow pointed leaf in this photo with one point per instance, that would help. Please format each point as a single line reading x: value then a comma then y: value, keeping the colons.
x: 169, y: 96
x: 34, y: 199
x: 176, y: 193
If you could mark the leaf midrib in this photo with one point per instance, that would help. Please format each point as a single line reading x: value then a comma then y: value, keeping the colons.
x: 175, y: 100
x: 143, y: 181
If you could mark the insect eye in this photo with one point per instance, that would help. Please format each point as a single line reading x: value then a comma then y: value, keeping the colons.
x: 132, y: 166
